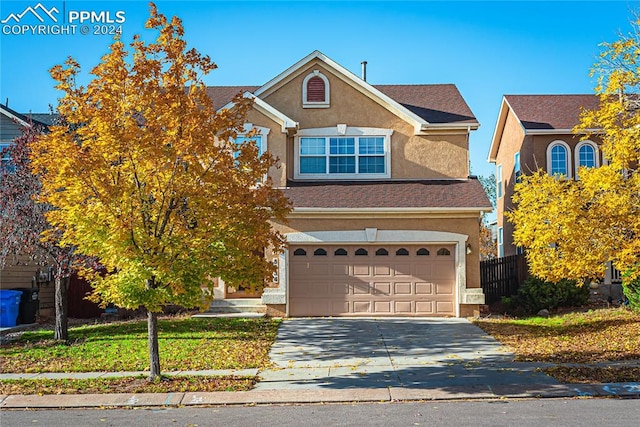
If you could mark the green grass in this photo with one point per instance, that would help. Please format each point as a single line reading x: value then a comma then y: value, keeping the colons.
x: 185, y: 344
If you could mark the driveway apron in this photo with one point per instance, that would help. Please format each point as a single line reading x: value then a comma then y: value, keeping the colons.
x: 412, y: 353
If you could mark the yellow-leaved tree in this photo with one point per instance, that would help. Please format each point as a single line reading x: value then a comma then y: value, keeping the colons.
x: 145, y: 176
x: 571, y: 228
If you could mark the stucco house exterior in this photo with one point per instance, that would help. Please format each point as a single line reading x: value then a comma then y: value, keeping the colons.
x: 536, y: 132
x: 385, y: 216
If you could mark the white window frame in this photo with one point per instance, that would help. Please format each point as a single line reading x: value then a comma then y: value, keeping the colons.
x: 568, y: 157
x: 260, y: 131
x: 596, y: 154
x: 310, y: 104
x: 499, y: 187
x: 500, y: 242
x: 517, y: 168
x: 344, y: 131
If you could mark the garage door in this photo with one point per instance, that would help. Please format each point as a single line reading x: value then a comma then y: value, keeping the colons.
x: 371, y: 280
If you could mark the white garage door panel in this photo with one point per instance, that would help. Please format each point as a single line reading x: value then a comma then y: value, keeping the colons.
x: 372, y: 280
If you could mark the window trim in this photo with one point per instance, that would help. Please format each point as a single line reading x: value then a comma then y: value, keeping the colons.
x: 596, y: 155
x: 559, y: 142
x: 500, y: 242
x: 342, y: 130
x: 499, y: 187
x: 316, y: 104
x: 263, y: 132
x: 517, y: 167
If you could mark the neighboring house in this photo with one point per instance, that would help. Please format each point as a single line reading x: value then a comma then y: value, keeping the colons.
x: 385, y: 216
x: 536, y: 132
x: 21, y: 272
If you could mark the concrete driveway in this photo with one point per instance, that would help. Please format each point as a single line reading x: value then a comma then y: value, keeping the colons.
x: 339, y: 353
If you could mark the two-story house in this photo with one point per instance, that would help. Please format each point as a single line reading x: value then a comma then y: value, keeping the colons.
x: 385, y: 216
x: 536, y: 132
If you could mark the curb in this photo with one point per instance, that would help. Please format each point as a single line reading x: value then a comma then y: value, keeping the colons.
x: 306, y: 396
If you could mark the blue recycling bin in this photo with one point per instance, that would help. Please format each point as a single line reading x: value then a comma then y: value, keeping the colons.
x: 9, y: 307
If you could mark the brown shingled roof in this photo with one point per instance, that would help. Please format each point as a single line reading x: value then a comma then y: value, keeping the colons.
x: 437, y: 103
x: 388, y: 194
x: 222, y: 95
x: 550, y: 111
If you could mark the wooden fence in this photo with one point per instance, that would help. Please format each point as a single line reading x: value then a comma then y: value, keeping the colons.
x: 501, y: 277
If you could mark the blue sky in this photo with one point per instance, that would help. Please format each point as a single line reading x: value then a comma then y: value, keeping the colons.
x: 487, y: 49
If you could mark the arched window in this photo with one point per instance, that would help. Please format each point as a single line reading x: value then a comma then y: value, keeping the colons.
x: 423, y: 252
x: 444, y: 252
x: 558, y: 159
x: 382, y: 252
x: 320, y: 252
x: 340, y: 252
x: 362, y: 251
x: 402, y: 252
x: 586, y: 155
x: 315, y: 91
x: 299, y: 252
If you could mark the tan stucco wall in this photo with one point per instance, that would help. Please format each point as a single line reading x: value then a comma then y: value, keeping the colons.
x: 510, y: 143
x: 276, y: 145
x: 468, y: 226
x: 533, y: 156
x: 412, y: 157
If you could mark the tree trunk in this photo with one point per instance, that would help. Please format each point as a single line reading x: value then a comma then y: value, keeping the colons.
x: 152, y: 334
x: 154, y: 352
x: 61, y: 332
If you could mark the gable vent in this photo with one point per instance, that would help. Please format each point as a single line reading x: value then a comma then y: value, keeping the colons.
x: 315, y: 90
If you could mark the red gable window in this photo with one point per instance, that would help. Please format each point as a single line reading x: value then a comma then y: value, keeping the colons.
x: 315, y: 90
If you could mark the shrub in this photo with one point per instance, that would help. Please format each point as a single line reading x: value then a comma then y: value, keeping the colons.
x: 631, y: 289
x: 535, y: 294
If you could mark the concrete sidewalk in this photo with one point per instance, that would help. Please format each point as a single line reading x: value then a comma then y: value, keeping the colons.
x: 256, y: 397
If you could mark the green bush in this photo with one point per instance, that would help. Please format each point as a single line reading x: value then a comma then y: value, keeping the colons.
x: 632, y: 292
x: 536, y: 294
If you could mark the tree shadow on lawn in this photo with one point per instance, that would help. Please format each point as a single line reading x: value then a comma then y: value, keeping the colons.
x: 454, y: 378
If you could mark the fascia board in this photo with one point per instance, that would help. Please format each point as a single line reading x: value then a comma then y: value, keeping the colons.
x: 352, y: 80
x: 559, y: 131
x: 14, y: 117
x: 498, y: 130
x: 472, y: 210
x: 285, y: 121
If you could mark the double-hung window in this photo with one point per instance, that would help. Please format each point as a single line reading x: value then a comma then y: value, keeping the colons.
x: 343, y: 156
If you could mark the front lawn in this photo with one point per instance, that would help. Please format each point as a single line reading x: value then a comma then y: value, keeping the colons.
x: 139, y: 384
x: 574, y: 338
x: 185, y: 344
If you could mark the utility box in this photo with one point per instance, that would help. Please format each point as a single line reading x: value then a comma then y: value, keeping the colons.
x: 9, y: 307
x: 29, y: 303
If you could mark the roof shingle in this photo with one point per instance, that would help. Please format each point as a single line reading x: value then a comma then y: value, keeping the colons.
x: 550, y: 111
x: 388, y: 194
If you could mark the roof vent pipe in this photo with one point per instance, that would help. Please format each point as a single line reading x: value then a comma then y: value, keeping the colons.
x: 364, y: 70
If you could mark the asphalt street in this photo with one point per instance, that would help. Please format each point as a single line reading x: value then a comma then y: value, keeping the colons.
x: 493, y: 413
